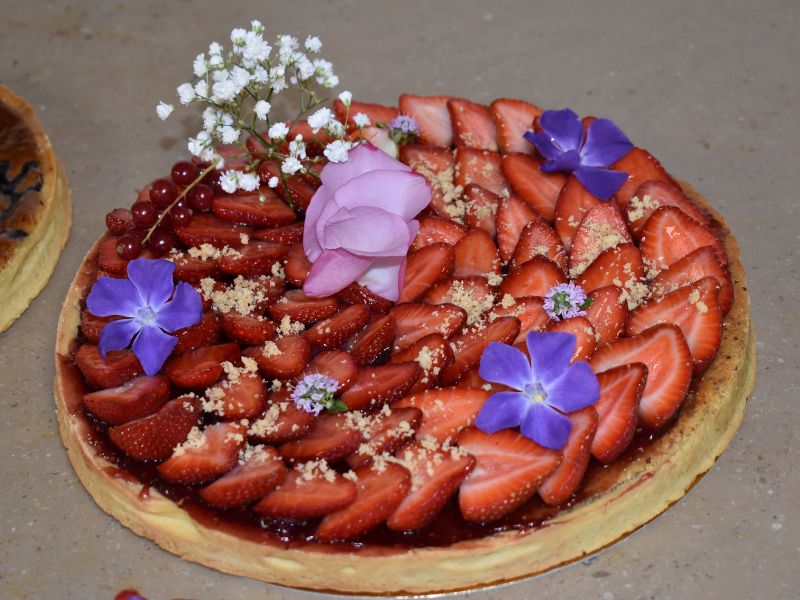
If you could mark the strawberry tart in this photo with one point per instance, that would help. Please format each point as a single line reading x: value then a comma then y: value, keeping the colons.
x: 405, y: 349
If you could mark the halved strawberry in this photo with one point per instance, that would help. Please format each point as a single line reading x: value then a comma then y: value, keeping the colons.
x: 425, y: 267
x: 581, y: 328
x: 670, y: 234
x: 573, y: 202
x: 255, y: 258
x: 377, y: 113
x: 333, y: 331
x: 436, y: 476
x: 415, y: 321
x: 509, y: 468
x: 305, y: 309
x: 242, y: 398
x: 373, y: 341
x: 528, y: 309
x: 262, y: 208
x: 113, y: 370
x: 191, y: 269
x: 336, y: 364
x: 295, y: 190
x: 91, y: 326
x: 640, y: 167
x: 445, y: 411
x: 473, y: 125
x: 308, y: 494
x: 469, y: 346
x: 693, y: 267
x: 283, y: 421
x: 206, y: 228
x: 472, y: 293
x: 511, y: 218
x: 380, y: 491
x: 617, y: 409
x: 253, y: 478
x: 208, y: 457
x: 481, y: 209
x: 120, y: 220
x: 602, y: 228
x: 154, y: 437
x: 476, y: 254
x: 286, y: 234
x: 432, y: 116
x: 480, y: 167
x: 540, y: 190
x: 297, y: 265
x: 695, y: 310
x: 437, y: 165
x: 385, y: 433
x: 533, y: 278
x: 315, y: 140
x: 433, y: 230
x: 513, y: 118
x: 251, y: 330
x: 538, y: 239
x: 664, y: 351
x: 197, y: 369
x: 132, y: 400
x: 652, y: 194
x: 376, y: 386
x: 607, y: 313
x: 330, y: 440
x: 287, y: 358
x: 563, y: 482
x: 358, y: 294
x: 432, y: 353
x: 621, y: 266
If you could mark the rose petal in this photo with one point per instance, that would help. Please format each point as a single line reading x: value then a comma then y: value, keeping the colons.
x: 543, y: 144
x: 117, y: 335
x: 551, y: 353
x: 367, y: 231
x: 333, y: 271
x: 153, y: 280
x: 361, y: 159
x: 113, y: 297
x: 546, y: 426
x: 184, y: 310
x: 577, y: 388
x: 603, y: 183
x: 564, y: 128
x: 384, y: 277
x: 605, y: 144
x: 403, y: 193
x: 502, y: 410
x: 501, y: 363
x: 152, y: 347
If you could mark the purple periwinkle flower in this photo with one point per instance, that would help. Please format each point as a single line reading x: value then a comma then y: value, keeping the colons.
x: 546, y: 388
x: 153, y: 307
x: 566, y: 300
x: 561, y: 142
x: 315, y: 393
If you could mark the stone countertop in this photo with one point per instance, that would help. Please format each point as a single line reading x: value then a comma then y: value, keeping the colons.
x: 709, y: 88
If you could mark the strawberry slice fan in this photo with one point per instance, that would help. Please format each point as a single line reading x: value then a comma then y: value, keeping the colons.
x: 386, y: 350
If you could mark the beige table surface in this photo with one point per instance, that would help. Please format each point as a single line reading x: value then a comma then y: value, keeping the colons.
x: 711, y: 88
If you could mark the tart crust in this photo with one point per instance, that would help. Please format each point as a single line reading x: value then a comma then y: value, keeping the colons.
x: 641, y: 490
x: 41, y: 219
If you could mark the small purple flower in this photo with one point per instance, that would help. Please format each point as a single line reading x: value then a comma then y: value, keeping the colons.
x: 404, y: 124
x: 547, y: 387
x: 566, y: 300
x: 315, y: 393
x: 562, y: 144
x: 153, y: 306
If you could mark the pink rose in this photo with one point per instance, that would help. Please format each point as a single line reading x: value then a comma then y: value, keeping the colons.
x: 360, y: 223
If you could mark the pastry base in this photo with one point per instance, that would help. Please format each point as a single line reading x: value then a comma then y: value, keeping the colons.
x: 643, y: 489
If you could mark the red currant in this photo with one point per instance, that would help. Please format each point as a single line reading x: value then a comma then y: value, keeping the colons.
x: 184, y: 172
x: 200, y: 197
x: 129, y: 246
x: 213, y: 181
x: 163, y: 193
x: 144, y: 213
x: 119, y: 221
x: 161, y: 242
x: 180, y: 216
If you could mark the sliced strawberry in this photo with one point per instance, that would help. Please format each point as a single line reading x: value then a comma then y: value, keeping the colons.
x: 255, y: 258
x: 415, y: 321
x: 207, y: 228
x: 286, y: 234
x: 469, y: 346
x: 601, y: 228
x: 581, y: 328
x: 376, y: 386
x: 693, y: 267
x: 473, y: 125
x: 476, y: 254
x: 208, y: 457
x: 109, y: 260
x: 315, y: 140
x: 538, y: 239
x: 113, y: 370
x: 621, y: 266
x: 695, y: 310
x: 262, y: 208
x: 132, y: 400
x: 154, y: 437
x: 330, y: 440
x: 377, y: 113
x: 472, y: 293
x: 432, y: 353
x: 287, y: 358
x: 664, y: 351
x: 308, y: 494
x: 562, y: 483
x: 333, y: 331
x: 192, y: 270
x: 248, y: 295
x: 436, y: 475
x: 617, y: 410
x: 373, y: 341
x: 607, y: 313
x: 573, y: 202
x: 528, y: 309
x: 481, y: 209
x: 445, y: 411
x: 513, y: 118
x: 242, y: 398
x: 540, y: 190
x: 433, y: 230
x: 91, y: 326
x: 304, y: 309
x: 480, y: 167
x: 512, y: 217
x: 250, y: 330
x: 253, y: 478
x: 358, y: 294
x: 425, y: 267
x: 336, y: 364
x: 670, y: 234
x: 652, y: 194
x: 533, y: 278
x: 432, y: 116
x: 385, y: 433
x: 437, y: 165
x: 120, y: 220
x: 283, y: 421
x: 380, y: 491
x: 297, y: 265
x: 509, y: 468
x: 294, y: 190
x: 640, y: 167
x: 198, y: 369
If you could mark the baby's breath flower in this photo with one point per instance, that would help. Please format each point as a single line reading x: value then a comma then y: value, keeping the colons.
x: 216, y: 61
x: 238, y: 38
x: 229, y: 181
x: 248, y: 182
x: 319, y: 119
x: 261, y: 109
x: 201, y: 89
x: 291, y: 165
x: 256, y: 26
x: 297, y: 147
x: 240, y: 77
x: 273, y: 182
x: 305, y: 68
x: 255, y: 50
x: 163, y: 110
x: 346, y: 97
x: 361, y: 120
x: 337, y: 151
x: 197, y: 145
x: 186, y: 93
x: 260, y: 74
x: 229, y: 135
x: 223, y: 91
x: 278, y: 131
x: 335, y: 128
x: 200, y: 65
x: 214, y: 49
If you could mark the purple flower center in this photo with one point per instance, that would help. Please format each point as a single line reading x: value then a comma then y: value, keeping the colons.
x: 145, y: 315
x: 535, y: 392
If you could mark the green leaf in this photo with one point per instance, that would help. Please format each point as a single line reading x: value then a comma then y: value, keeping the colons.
x: 586, y: 304
x: 337, y: 406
